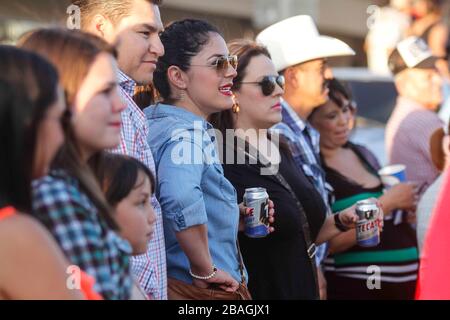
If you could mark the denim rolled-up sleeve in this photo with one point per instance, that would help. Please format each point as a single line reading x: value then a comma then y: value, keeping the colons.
x: 180, y: 193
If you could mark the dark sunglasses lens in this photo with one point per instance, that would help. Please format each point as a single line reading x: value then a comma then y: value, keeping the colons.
x: 280, y: 81
x: 268, y: 86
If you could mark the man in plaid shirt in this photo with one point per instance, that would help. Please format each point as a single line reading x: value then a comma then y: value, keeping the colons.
x: 134, y: 27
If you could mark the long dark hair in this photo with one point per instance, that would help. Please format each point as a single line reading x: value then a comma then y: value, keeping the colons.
x: 118, y: 176
x: 28, y: 87
x: 145, y: 96
x: 338, y: 93
x: 182, y: 40
x: 73, y: 52
x: 339, y: 90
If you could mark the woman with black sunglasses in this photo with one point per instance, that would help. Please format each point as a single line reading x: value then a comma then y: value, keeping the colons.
x: 280, y: 265
x: 200, y: 209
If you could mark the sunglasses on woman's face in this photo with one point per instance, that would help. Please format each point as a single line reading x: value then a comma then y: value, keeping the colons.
x: 268, y: 84
x: 222, y: 63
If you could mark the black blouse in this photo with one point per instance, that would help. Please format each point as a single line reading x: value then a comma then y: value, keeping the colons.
x: 278, y: 264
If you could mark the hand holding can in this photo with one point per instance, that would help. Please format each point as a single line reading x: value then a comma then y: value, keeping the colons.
x: 368, y: 226
x: 245, y: 211
x: 261, y: 208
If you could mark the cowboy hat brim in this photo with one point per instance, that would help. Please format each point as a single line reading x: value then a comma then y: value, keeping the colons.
x: 314, y: 48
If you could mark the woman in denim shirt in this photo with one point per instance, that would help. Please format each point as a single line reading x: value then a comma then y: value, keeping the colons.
x: 200, y: 210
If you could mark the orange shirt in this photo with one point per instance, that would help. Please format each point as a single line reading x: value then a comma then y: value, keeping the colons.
x: 87, y: 282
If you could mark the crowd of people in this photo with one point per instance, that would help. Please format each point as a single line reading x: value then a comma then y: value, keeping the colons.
x: 128, y: 147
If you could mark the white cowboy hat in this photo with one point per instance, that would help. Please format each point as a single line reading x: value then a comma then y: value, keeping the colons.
x: 296, y: 40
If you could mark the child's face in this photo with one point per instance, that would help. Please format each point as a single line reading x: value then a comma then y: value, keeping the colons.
x: 136, y: 217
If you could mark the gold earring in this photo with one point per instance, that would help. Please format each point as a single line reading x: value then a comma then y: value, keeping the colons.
x: 236, y: 107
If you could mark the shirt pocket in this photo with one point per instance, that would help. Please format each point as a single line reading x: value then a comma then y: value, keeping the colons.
x: 226, y: 189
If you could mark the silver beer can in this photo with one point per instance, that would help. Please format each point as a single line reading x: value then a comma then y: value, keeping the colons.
x: 367, y: 228
x: 257, y: 226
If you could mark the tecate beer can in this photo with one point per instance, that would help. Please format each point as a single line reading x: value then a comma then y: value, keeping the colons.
x: 367, y: 228
x: 257, y: 226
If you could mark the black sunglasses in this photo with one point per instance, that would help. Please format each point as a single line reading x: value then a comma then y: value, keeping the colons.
x: 268, y: 84
x: 222, y: 63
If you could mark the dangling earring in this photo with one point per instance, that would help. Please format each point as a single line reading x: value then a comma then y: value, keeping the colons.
x: 236, y: 107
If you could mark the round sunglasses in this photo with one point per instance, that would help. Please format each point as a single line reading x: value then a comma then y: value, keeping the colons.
x: 222, y: 63
x: 268, y: 84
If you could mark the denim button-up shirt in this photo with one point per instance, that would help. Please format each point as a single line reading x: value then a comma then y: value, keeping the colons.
x: 192, y: 189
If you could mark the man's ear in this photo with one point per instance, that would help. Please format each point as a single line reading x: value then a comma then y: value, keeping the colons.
x: 100, y: 26
x: 177, y: 77
x: 290, y: 76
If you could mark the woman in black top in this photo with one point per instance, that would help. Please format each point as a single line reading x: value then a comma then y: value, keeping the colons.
x: 279, y: 266
x: 352, y: 172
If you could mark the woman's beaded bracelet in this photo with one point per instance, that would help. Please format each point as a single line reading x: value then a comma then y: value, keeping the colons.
x: 204, y: 278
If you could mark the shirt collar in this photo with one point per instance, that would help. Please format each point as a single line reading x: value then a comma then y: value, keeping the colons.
x: 177, y: 112
x: 126, y: 83
x: 291, y: 118
x: 290, y: 115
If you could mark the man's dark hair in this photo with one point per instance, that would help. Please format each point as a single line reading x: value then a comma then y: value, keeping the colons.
x: 112, y: 9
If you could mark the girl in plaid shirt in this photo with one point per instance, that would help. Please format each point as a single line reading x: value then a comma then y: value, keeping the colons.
x: 69, y: 201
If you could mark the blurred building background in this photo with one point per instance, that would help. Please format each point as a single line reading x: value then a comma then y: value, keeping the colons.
x: 344, y: 19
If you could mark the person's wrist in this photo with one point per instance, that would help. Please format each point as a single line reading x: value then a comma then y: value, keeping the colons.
x: 384, y: 204
x: 204, y: 276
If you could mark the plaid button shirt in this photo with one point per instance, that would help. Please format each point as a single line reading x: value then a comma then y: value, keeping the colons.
x: 84, y: 238
x: 149, y: 268
x: 304, y: 143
